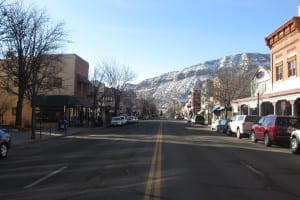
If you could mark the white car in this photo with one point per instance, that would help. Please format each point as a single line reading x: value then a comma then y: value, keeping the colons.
x: 123, y: 119
x: 295, y: 142
x: 116, y: 121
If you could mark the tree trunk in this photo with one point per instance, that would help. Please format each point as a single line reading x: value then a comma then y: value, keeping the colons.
x: 19, y: 109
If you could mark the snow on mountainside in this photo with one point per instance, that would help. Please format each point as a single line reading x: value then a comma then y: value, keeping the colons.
x: 173, y: 87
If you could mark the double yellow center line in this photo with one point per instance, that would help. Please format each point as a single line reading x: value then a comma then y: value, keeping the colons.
x: 152, y: 190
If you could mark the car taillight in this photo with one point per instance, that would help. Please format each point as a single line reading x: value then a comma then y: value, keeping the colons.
x: 272, y: 130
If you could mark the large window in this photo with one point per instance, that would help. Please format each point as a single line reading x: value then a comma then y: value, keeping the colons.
x: 279, y: 70
x: 56, y: 82
x: 292, y: 67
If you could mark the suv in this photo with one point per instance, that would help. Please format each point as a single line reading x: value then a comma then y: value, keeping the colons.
x: 5, y: 143
x: 240, y: 125
x: 274, y: 128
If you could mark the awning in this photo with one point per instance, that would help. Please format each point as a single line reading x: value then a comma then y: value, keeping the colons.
x: 55, y: 101
x: 217, y: 110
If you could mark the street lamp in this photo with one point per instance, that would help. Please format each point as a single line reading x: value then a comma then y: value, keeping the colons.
x: 257, y: 92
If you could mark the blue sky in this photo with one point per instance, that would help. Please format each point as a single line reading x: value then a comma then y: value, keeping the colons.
x: 153, y: 37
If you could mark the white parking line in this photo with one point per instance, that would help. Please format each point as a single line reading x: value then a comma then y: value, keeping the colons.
x: 45, y: 177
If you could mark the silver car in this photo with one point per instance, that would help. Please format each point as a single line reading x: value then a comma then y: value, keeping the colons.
x: 116, y: 121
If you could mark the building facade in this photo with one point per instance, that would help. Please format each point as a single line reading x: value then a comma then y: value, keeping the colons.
x: 71, y: 99
x: 282, y: 96
x: 194, y: 101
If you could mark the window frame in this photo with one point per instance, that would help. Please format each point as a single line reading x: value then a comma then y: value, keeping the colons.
x: 292, y: 66
x: 279, y: 71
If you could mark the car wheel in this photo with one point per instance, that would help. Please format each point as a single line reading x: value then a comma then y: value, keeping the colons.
x: 267, y: 140
x: 3, y: 150
x: 238, y: 134
x: 252, y: 137
x: 295, y: 145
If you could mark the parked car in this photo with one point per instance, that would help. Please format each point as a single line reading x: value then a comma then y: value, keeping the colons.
x: 274, y: 129
x: 116, y: 121
x: 295, y: 142
x: 197, y: 119
x: 222, y: 126
x: 240, y: 125
x: 131, y: 119
x: 5, y: 143
x: 215, y: 124
x: 123, y: 119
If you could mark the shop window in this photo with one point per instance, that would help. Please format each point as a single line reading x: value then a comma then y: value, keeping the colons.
x: 56, y: 82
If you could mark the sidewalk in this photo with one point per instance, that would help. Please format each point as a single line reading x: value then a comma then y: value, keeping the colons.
x: 23, y: 137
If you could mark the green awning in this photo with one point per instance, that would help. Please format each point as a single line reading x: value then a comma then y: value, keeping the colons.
x: 55, y: 101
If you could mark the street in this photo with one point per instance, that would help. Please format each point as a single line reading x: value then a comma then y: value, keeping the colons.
x: 149, y: 160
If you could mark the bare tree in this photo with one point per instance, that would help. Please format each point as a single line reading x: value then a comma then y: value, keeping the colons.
x: 230, y: 83
x: 96, y: 91
x: 116, y: 77
x: 28, y: 41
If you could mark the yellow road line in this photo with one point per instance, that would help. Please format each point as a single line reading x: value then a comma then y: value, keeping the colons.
x: 152, y: 190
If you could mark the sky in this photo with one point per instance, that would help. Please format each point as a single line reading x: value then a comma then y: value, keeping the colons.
x: 153, y: 37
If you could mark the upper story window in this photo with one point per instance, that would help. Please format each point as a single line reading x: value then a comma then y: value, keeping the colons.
x: 279, y: 71
x: 292, y: 67
x: 260, y: 75
x: 56, y: 82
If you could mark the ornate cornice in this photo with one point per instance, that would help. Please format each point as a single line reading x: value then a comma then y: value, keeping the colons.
x: 283, y: 31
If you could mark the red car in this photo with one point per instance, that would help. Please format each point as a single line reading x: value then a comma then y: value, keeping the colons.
x: 274, y: 129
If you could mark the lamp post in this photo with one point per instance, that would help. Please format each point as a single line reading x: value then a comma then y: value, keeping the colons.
x: 257, y: 91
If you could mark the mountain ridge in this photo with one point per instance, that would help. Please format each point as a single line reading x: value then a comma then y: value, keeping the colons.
x: 173, y: 87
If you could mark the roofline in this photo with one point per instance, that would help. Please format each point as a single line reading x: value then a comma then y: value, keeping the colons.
x: 295, y: 20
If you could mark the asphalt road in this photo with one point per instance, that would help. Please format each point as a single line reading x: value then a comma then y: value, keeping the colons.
x: 149, y: 160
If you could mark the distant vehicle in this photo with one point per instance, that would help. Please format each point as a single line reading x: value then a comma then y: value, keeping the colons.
x: 222, y: 126
x: 178, y: 117
x: 123, y: 119
x: 116, y: 121
x: 295, y: 142
x: 241, y: 125
x: 274, y: 129
x: 131, y: 119
x: 5, y: 143
x: 197, y: 119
